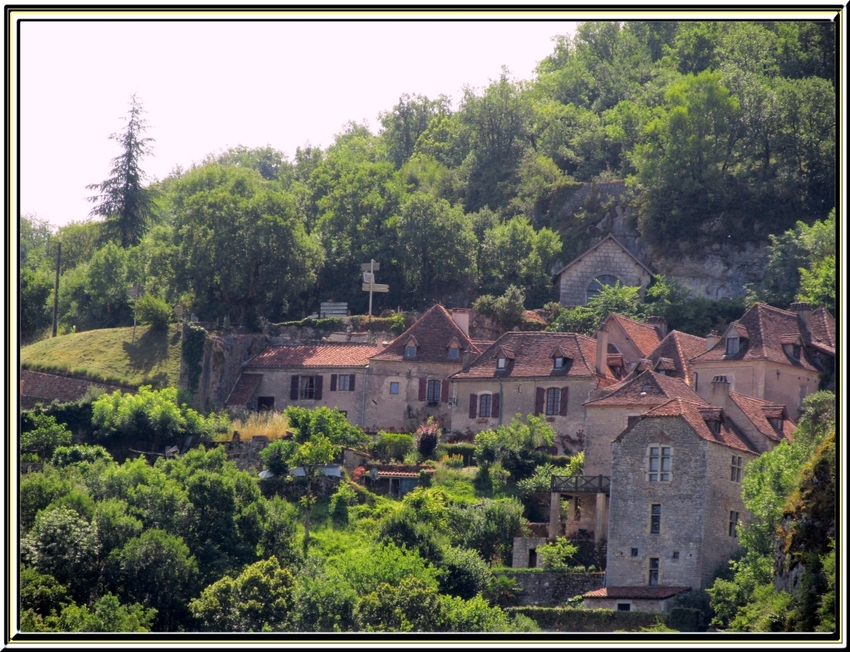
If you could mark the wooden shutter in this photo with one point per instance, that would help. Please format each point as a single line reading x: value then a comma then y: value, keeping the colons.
x: 333, y: 382
x: 423, y: 389
x: 494, y: 409
x: 473, y: 406
x: 318, y: 393
x: 539, y: 400
x: 444, y: 391
x: 565, y: 394
x: 293, y: 389
x: 351, y: 383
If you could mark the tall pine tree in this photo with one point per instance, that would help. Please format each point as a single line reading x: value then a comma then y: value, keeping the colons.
x: 121, y: 198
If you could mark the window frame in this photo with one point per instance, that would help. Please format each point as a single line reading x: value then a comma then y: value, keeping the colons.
x: 407, y: 351
x: 655, y: 518
x: 454, y: 353
x: 552, y: 408
x: 482, y: 402
x: 501, y: 363
x: 306, y: 388
x: 394, y: 385
x: 343, y: 383
x: 430, y: 395
x: 733, y: 344
x: 559, y: 362
x: 737, y: 469
x: 734, y: 517
x: 660, y: 473
x: 654, y: 568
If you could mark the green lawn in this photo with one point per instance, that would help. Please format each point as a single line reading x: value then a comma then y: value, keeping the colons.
x: 111, y: 356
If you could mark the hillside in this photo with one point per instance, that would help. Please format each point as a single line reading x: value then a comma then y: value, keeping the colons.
x: 111, y: 356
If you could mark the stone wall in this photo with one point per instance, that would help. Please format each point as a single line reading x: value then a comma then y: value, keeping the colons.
x: 246, y: 454
x: 551, y: 588
x: 607, y: 259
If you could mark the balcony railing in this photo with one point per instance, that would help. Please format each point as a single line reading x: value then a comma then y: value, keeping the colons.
x: 581, y: 484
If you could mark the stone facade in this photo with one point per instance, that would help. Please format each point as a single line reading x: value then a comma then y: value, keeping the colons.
x: 607, y: 258
x: 694, y: 507
x: 552, y: 588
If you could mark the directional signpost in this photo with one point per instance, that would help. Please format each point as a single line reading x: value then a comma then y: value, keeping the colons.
x: 369, y: 284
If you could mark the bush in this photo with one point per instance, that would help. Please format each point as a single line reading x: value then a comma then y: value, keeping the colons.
x: 427, y: 437
x: 393, y: 446
x: 65, y: 455
x: 558, y: 554
x: 467, y: 451
x: 154, y: 311
x: 452, y: 461
x: 43, y: 436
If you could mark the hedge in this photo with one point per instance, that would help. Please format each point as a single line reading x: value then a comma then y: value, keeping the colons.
x: 569, y: 619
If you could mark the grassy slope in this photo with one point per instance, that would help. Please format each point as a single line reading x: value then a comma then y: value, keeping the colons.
x: 111, y: 356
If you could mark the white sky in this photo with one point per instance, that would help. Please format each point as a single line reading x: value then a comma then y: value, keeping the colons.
x: 207, y: 86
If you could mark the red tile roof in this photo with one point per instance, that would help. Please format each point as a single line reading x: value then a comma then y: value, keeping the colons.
x: 692, y: 413
x: 762, y: 328
x: 532, y: 357
x: 243, y: 390
x: 636, y: 592
x: 37, y: 387
x: 679, y: 348
x: 643, y: 336
x: 759, y: 411
x: 433, y: 332
x: 288, y: 356
x: 647, y: 388
x: 823, y: 329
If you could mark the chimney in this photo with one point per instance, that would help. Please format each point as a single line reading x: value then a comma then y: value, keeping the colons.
x: 467, y: 359
x: 601, y: 350
x: 460, y: 316
x: 711, y: 339
x: 804, y: 315
x: 659, y: 324
x: 719, y: 392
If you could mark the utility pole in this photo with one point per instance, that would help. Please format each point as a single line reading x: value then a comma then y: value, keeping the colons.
x: 56, y: 283
x: 369, y: 284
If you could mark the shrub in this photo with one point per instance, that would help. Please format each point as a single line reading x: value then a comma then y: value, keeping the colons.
x: 154, y: 311
x: 65, y: 455
x: 427, y: 437
x: 393, y: 446
x: 452, y: 461
x: 558, y: 554
x: 467, y: 451
x: 44, y: 435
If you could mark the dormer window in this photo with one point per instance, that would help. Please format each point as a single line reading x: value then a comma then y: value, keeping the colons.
x: 410, y: 349
x: 792, y: 350
x: 733, y: 344
x: 501, y: 362
x: 777, y: 424
x: 454, y: 353
x: 714, y: 426
x: 559, y: 362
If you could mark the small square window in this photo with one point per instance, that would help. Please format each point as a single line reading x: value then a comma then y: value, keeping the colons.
x: 675, y: 554
x: 634, y: 552
x: 454, y: 353
x: 393, y: 388
x: 410, y: 351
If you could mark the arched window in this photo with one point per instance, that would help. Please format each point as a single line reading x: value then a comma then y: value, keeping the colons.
x: 598, y: 283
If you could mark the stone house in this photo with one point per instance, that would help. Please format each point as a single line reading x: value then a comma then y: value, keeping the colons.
x: 544, y: 374
x: 310, y: 375
x: 605, y: 263
x: 675, y: 504
x: 408, y: 380
x: 772, y: 354
x: 583, y: 502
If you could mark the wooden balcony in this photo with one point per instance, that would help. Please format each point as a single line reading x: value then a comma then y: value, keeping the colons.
x: 581, y: 484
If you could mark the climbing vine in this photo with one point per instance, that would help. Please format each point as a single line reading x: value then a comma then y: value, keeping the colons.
x: 193, y: 352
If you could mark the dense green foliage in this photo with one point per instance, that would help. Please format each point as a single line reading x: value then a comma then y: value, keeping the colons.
x: 723, y: 133
x: 791, y: 494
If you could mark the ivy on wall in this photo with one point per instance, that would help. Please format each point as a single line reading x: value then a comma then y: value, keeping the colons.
x: 193, y: 353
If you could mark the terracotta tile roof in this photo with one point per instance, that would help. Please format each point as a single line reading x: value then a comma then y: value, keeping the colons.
x: 532, y: 357
x: 728, y: 434
x: 38, y: 387
x: 679, y: 348
x: 636, y: 592
x: 823, y: 329
x: 647, y: 388
x: 759, y: 411
x: 643, y: 336
x: 433, y: 332
x: 761, y: 329
x: 596, y: 246
x: 331, y: 354
x: 243, y: 390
